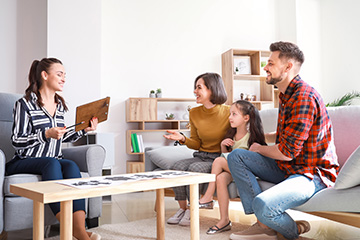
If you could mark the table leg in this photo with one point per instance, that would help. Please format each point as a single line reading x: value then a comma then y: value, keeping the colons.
x: 38, y: 220
x: 160, y: 214
x: 194, y: 212
x: 66, y: 220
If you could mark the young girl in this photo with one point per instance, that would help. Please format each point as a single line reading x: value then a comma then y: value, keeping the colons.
x: 246, y: 128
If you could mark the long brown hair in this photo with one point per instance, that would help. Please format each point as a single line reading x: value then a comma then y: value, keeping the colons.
x: 36, y: 81
x: 215, y: 84
x: 255, y: 125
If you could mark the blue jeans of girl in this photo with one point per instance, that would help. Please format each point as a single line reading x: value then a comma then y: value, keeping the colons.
x: 49, y: 169
x: 270, y: 206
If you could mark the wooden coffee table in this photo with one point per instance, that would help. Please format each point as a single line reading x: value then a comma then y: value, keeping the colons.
x: 51, y: 191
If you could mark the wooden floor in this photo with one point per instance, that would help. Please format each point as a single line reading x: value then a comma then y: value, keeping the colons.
x: 136, y: 206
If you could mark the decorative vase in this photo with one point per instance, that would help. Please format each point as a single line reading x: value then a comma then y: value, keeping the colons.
x: 158, y: 95
x: 152, y: 95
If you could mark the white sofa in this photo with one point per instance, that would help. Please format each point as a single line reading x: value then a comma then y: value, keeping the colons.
x: 340, y: 203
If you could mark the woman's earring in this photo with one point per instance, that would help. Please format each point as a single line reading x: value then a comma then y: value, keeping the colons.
x: 248, y: 127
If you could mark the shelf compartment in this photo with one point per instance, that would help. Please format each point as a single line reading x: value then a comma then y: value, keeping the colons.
x: 151, y: 138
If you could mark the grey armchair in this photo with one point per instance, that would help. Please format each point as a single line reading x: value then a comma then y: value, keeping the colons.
x: 16, y: 212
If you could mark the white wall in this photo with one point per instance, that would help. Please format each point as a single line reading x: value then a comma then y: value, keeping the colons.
x: 8, y: 46
x: 308, y: 38
x: 167, y: 44
x: 74, y: 37
x: 340, y: 51
x: 23, y: 39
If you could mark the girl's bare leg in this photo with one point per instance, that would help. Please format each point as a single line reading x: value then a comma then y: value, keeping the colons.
x: 222, y: 181
x: 219, y: 165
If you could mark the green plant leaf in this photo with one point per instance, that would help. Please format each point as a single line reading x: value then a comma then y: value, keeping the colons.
x: 344, y: 100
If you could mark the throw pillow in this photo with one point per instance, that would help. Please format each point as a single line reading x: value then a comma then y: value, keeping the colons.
x: 349, y: 174
x: 165, y: 157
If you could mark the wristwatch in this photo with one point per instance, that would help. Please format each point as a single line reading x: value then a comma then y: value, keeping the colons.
x: 178, y: 142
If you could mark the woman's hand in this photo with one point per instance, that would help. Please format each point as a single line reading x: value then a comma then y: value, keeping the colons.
x: 55, y: 132
x: 174, y: 135
x: 93, y: 124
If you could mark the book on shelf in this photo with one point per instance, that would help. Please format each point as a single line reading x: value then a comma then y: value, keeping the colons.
x: 141, y: 143
x: 135, y: 143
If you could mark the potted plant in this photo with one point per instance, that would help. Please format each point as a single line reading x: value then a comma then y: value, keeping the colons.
x: 169, y: 116
x: 236, y: 70
x: 344, y: 100
x: 152, y: 94
x: 158, y: 93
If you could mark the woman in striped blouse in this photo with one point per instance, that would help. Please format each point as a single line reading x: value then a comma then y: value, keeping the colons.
x: 38, y: 131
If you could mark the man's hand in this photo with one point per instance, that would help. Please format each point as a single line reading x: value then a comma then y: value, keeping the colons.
x: 269, y: 151
x: 255, y: 147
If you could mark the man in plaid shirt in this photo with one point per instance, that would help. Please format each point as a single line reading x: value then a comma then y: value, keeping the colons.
x: 302, y: 161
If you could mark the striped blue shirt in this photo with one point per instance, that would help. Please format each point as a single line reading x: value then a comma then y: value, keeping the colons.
x: 28, y: 132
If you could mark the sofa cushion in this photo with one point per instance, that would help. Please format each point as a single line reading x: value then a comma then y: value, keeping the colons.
x: 165, y: 157
x: 16, y: 179
x: 331, y: 199
x: 349, y: 174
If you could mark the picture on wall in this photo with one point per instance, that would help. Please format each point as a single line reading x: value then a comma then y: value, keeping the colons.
x: 242, y: 65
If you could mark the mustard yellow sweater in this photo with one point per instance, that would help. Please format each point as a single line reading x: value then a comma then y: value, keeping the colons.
x: 208, y: 127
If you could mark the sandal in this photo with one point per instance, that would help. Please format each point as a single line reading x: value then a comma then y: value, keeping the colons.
x: 215, y: 229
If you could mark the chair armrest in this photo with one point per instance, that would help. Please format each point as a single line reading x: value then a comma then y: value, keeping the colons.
x: 89, y: 158
x: 2, y: 176
x: 2, y: 166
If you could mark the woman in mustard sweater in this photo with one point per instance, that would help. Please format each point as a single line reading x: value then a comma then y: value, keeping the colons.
x: 209, y: 123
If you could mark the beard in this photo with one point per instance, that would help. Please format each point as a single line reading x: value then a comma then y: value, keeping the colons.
x: 273, y: 81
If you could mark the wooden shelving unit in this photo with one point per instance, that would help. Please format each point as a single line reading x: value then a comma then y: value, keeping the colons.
x: 257, y: 76
x: 144, y: 111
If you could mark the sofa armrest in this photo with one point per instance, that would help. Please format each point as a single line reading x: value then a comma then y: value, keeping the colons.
x: 149, y: 165
x: 89, y: 158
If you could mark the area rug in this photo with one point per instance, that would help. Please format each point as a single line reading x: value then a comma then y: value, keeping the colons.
x: 146, y: 229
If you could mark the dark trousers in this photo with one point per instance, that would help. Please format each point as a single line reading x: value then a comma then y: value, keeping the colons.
x: 49, y: 169
x: 201, y: 162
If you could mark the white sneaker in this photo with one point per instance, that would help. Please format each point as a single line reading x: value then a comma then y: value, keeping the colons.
x: 185, y: 221
x: 176, y: 218
x: 95, y: 236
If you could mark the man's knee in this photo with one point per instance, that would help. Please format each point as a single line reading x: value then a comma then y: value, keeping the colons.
x: 259, y: 207
x: 236, y: 156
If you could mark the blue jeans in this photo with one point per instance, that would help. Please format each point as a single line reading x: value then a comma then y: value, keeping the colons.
x: 49, y: 169
x: 269, y: 206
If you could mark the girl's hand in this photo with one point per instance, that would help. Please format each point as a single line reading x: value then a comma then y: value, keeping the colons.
x: 174, y: 135
x: 227, y: 142
x: 55, y: 132
x: 93, y: 124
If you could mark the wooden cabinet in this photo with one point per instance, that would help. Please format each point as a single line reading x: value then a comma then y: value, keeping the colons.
x: 252, y: 83
x: 152, y: 123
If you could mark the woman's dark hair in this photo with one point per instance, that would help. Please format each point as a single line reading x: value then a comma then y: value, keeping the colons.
x: 288, y: 50
x: 215, y: 84
x: 255, y: 126
x: 36, y: 81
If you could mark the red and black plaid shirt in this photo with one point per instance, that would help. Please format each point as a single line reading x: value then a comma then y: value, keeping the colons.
x: 305, y: 133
